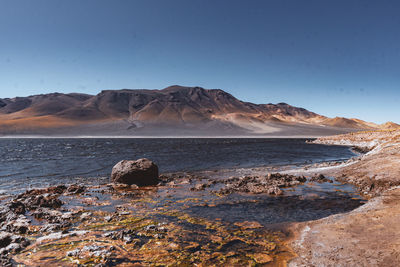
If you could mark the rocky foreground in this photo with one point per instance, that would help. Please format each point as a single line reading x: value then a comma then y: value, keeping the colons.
x: 369, y: 235
x: 180, y: 219
x: 186, y: 219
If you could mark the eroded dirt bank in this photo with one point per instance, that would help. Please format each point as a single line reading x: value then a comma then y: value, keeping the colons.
x: 368, y: 235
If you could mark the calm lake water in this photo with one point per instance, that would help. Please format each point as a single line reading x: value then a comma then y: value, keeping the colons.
x: 28, y: 163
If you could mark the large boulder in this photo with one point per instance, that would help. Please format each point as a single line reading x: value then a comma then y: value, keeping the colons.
x: 141, y: 172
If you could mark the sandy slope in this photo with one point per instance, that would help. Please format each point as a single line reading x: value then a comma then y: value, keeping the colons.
x: 369, y: 235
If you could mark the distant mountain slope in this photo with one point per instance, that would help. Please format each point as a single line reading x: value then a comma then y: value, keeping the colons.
x: 389, y: 126
x: 349, y: 123
x: 175, y: 110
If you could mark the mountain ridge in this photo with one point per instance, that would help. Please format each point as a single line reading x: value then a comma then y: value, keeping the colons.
x: 143, y: 111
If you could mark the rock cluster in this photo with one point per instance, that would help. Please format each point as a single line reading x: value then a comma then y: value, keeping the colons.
x: 269, y: 184
x: 93, y: 251
x: 41, y: 204
x: 10, y: 243
x: 138, y: 238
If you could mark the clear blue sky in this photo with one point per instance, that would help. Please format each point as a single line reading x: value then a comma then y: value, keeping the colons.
x: 336, y: 58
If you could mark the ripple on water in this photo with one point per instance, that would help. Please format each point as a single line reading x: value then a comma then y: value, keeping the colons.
x: 96, y: 157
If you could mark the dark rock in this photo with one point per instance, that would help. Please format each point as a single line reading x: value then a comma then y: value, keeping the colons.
x: 76, y: 189
x: 5, y: 239
x: 164, y: 179
x: 73, y: 253
x: 52, y: 216
x: 6, y: 215
x: 19, y: 225
x: 142, y: 172
x: 127, y: 235
x: 320, y: 178
x: 12, y: 243
x: 59, y: 189
x: 5, y: 261
x: 13, y: 248
x: 47, y: 201
x: 17, y: 207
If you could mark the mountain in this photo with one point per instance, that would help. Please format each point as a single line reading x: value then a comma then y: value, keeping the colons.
x: 175, y: 110
x: 389, y: 126
x: 349, y: 123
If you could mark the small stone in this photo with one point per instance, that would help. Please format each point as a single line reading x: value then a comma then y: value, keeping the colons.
x: 101, y: 253
x: 14, y: 247
x: 108, y: 234
x: 262, y: 258
x: 67, y: 215
x: 198, y: 187
x: 92, y: 248
x: 73, y: 253
x: 76, y: 189
x: 5, y: 239
x: 128, y: 239
x: 150, y: 227
x: 17, y: 207
x: 159, y: 236
x: 85, y: 215
x: 163, y: 229
x: 248, y: 225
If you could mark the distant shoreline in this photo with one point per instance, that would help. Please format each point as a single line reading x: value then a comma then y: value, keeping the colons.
x: 156, y: 137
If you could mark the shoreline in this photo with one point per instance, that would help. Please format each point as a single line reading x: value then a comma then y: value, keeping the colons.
x: 36, y: 157
x: 95, y: 214
x: 212, y: 173
x: 368, y: 235
x: 109, y: 223
x: 162, y: 137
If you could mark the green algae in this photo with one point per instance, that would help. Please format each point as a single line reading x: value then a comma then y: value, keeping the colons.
x: 189, y: 240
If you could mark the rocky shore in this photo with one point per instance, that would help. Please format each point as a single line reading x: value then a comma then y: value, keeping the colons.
x: 191, y: 219
x: 369, y: 235
x: 125, y: 224
x: 111, y: 224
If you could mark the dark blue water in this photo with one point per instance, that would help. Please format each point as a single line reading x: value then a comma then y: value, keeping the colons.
x: 40, y: 162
